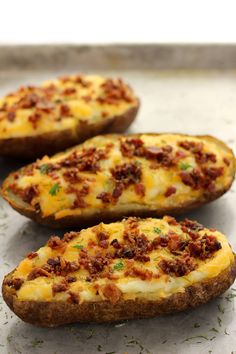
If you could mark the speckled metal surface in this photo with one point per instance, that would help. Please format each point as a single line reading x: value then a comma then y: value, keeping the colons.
x: 194, y: 102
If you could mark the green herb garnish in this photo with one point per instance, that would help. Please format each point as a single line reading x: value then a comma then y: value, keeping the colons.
x: 196, y: 325
x: 55, y: 189
x: 80, y: 247
x: 214, y: 330
x: 99, y: 348
x: 44, y: 169
x: 119, y: 266
x: 219, y: 321
x: 184, y: 166
x: 157, y: 230
x: 220, y: 308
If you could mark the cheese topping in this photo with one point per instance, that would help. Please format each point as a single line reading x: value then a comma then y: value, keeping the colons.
x: 149, y: 258
x: 62, y: 104
x: 130, y: 173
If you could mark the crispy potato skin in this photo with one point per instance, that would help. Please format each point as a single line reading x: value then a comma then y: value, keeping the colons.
x: 52, y: 314
x: 31, y: 147
x: 106, y: 215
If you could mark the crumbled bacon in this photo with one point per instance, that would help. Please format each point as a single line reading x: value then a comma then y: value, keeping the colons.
x: 202, y: 178
x: 173, y: 242
x: 226, y: 161
x: 15, y: 283
x: 204, y: 247
x: 170, y: 190
x: 128, y: 173
x: 143, y: 274
x: 11, y: 116
x: 56, y: 243
x: 170, y: 220
x: 60, y: 266
x: 86, y: 160
x: 64, y: 110
x: 132, y: 147
x: 114, y: 92
x: 80, y: 194
x: 118, y: 190
x: 28, y: 101
x: 32, y: 255
x: 72, y: 176
x: 34, y: 119
x: 178, y: 266
x: 105, y: 197
x: 111, y: 292
x: 38, y: 272
x: 115, y: 243
x: 70, y: 236
x: 58, y: 288
x: 140, y: 189
x: 69, y: 91
x: 70, y: 279
x: 192, y: 146
x: 45, y: 105
x: 29, y: 193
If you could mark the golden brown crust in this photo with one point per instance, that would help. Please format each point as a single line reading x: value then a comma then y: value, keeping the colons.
x: 107, y: 215
x: 51, y: 314
x: 30, y: 147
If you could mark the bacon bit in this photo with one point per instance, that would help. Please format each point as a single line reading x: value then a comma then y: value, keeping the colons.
x: 58, y: 288
x: 191, y: 146
x: 143, y: 274
x: 202, y: 179
x: 45, y: 105
x: 80, y: 194
x: 114, y: 92
x: 170, y: 190
x: 170, y: 220
x: 173, y: 242
x: 87, y: 160
x: 105, y: 197
x: 213, y: 172
x: 15, y: 283
x: 111, y: 292
x: 70, y: 279
x: 131, y: 147
x: 163, y: 155
x: 28, y: 101
x: 60, y: 266
x: 118, y: 190
x: 56, y: 243
x: 74, y: 298
x: 103, y: 244
x: 64, y: 110
x: 11, y: 116
x: 160, y: 241
x: 34, y: 119
x: 70, y: 236
x: 226, y: 161
x: 30, y: 193
x: 80, y: 80
x: 140, y: 189
x: 69, y: 91
x: 178, y: 267
x: 192, y: 225
x: 180, y: 154
x: 115, y: 243
x: 72, y: 176
x: 38, y: 272
x: 205, y: 247
x: 32, y: 255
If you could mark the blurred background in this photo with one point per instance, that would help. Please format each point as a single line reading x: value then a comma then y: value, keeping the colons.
x: 123, y: 21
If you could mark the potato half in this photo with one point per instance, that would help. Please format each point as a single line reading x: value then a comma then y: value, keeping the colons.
x: 135, y: 268
x: 112, y: 176
x: 35, y: 121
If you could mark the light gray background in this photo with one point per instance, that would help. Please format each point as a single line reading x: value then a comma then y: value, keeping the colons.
x: 194, y: 102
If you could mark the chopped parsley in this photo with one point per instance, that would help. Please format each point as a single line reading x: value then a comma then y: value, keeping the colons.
x: 157, y: 230
x: 214, y: 330
x: 44, y: 169
x: 80, y: 247
x: 55, y: 189
x: 220, y: 308
x: 184, y: 166
x: 196, y: 325
x: 119, y: 266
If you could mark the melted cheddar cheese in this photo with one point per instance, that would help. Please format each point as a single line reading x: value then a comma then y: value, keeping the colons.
x: 131, y: 259
x: 100, y: 175
x: 62, y: 104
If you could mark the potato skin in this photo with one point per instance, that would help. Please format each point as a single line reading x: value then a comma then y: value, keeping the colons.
x: 107, y: 215
x: 52, y: 314
x: 31, y: 147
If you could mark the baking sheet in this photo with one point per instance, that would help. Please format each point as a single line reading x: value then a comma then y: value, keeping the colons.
x: 178, y: 100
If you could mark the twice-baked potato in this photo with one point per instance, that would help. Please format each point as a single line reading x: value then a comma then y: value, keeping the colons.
x: 131, y: 269
x: 35, y: 121
x: 112, y: 176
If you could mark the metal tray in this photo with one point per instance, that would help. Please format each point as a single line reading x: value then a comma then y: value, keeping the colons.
x: 189, y: 89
